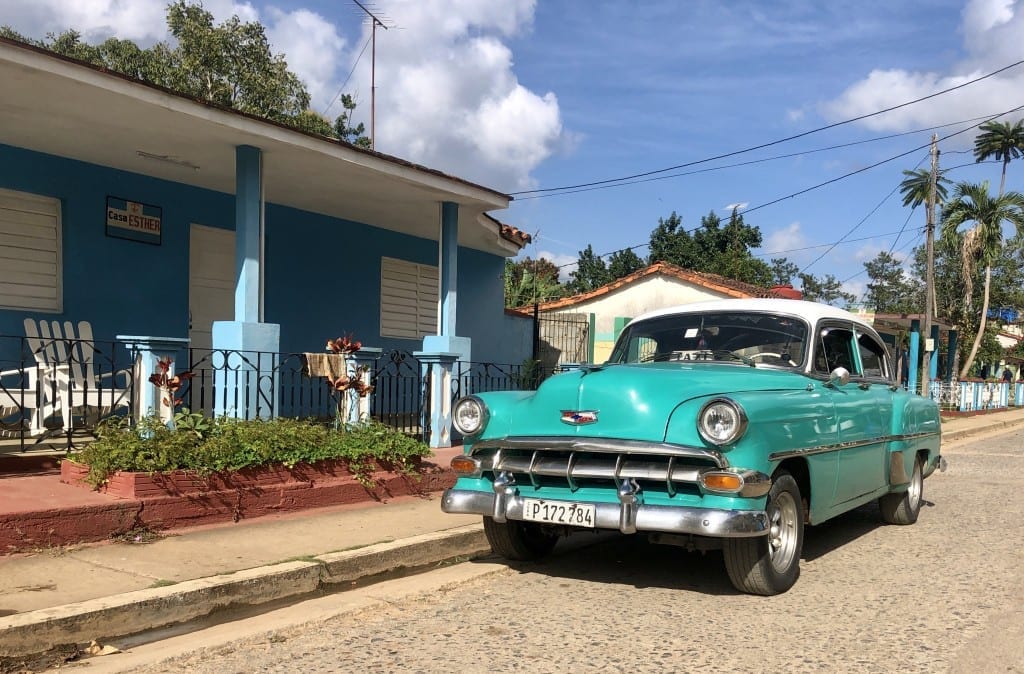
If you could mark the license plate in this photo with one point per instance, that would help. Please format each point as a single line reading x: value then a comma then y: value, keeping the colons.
x: 559, y: 512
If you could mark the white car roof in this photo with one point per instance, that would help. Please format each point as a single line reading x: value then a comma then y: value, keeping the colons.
x: 811, y: 311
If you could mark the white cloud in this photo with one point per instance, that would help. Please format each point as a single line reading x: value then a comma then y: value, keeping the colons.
x: 312, y: 47
x: 784, y: 242
x: 856, y: 288
x: 447, y: 95
x: 566, y: 263
x: 992, y: 33
x: 446, y: 92
x: 738, y: 205
x: 144, y: 21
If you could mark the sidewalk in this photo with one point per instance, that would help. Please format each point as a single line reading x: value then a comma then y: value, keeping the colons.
x: 103, y: 591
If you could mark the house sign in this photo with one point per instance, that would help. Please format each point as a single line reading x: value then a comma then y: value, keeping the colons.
x: 133, y: 220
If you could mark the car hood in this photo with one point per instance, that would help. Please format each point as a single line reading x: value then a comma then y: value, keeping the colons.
x: 631, y: 401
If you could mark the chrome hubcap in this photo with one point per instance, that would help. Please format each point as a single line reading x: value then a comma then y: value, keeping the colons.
x: 914, y: 490
x: 782, y: 531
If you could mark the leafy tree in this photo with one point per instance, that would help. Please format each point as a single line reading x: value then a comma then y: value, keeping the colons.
x: 671, y: 243
x: 890, y: 290
x: 982, y: 243
x: 228, y: 64
x: 1001, y: 140
x: 726, y: 250
x: 783, y: 271
x: 623, y: 263
x: 313, y: 122
x: 828, y: 290
x: 529, y: 281
x: 590, y: 273
x: 713, y: 247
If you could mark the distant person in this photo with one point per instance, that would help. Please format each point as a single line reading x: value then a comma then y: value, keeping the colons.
x: 1007, y: 375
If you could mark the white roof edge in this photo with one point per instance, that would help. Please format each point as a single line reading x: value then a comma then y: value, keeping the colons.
x: 812, y: 311
x: 493, y: 226
x: 29, y: 57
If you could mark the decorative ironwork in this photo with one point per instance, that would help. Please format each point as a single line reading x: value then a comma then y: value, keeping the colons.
x: 245, y: 384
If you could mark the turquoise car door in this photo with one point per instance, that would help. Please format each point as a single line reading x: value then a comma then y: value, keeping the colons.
x: 861, y: 435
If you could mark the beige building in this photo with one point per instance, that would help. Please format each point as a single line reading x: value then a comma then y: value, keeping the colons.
x: 584, y: 327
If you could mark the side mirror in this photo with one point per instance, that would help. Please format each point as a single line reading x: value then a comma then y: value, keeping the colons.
x: 839, y: 377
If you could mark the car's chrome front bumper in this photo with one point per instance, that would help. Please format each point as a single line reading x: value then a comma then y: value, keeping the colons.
x: 627, y: 516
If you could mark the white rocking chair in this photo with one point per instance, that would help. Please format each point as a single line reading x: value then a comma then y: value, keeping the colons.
x: 31, y: 395
x: 89, y: 393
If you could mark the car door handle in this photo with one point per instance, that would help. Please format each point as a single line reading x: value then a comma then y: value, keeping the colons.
x: 864, y: 385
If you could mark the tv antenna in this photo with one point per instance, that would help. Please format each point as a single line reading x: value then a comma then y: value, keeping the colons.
x: 374, y: 22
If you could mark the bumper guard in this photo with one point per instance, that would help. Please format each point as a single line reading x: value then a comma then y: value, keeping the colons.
x: 628, y: 516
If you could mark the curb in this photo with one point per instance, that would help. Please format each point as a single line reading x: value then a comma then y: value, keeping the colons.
x: 996, y: 425
x: 25, y: 531
x: 33, y: 632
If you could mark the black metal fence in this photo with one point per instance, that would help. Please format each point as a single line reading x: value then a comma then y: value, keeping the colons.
x: 52, y: 387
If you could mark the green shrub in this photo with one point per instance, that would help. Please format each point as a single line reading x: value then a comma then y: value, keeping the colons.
x: 233, y: 444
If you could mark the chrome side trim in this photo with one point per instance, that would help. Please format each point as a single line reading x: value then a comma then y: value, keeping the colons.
x: 601, y: 445
x: 838, y: 446
x: 626, y: 516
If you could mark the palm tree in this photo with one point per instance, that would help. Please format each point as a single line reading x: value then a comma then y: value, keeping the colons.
x: 915, y: 188
x: 982, y: 243
x: 1001, y: 140
x: 916, y: 184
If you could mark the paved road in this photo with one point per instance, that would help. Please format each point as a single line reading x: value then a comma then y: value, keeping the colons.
x: 946, y: 594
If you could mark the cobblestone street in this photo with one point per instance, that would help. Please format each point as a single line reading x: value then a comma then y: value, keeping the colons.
x: 941, y: 595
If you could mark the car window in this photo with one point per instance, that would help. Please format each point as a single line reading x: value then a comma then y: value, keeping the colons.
x: 872, y: 356
x: 834, y: 349
x: 764, y: 338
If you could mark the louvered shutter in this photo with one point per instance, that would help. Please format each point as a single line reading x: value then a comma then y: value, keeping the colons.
x: 408, y: 299
x: 30, y: 257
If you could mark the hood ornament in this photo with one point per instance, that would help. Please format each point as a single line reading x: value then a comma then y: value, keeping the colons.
x: 579, y: 417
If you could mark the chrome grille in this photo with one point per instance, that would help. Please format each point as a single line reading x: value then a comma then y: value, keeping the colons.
x: 578, y: 463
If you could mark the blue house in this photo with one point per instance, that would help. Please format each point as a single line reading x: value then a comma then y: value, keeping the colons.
x: 150, y: 215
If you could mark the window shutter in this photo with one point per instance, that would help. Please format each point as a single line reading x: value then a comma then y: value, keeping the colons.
x: 30, y: 252
x: 408, y: 299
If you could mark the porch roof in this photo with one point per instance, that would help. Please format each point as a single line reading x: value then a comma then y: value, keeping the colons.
x: 68, y: 108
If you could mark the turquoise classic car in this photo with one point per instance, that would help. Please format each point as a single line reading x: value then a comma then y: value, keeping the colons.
x: 728, y: 424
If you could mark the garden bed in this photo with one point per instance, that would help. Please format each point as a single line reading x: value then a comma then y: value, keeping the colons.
x: 148, y: 485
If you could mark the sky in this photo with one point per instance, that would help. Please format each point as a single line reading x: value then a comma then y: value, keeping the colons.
x: 523, y: 95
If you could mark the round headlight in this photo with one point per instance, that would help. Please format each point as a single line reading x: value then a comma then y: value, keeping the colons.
x: 721, y: 422
x: 469, y: 416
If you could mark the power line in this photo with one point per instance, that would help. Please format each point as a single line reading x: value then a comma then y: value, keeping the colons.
x: 829, y: 182
x: 907, y: 245
x: 756, y: 161
x: 774, y: 142
x: 343, y: 84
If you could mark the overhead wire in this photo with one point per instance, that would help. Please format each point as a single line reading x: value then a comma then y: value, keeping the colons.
x: 831, y: 181
x: 350, y: 73
x: 775, y: 142
x: 760, y: 161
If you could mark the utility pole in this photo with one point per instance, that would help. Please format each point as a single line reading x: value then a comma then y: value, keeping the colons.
x: 373, y: 66
x: 929, y: 299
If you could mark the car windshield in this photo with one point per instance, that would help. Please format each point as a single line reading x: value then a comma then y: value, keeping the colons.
x: 743, y: 337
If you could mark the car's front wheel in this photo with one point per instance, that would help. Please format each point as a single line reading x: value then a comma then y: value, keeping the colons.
x: 770, y: 564
x: 519, y: 541
x: 904, y: 507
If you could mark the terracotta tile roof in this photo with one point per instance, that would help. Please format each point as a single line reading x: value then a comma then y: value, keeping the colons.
x: 515, y: 235
x: 510, y: 233
x: 727, y: 286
